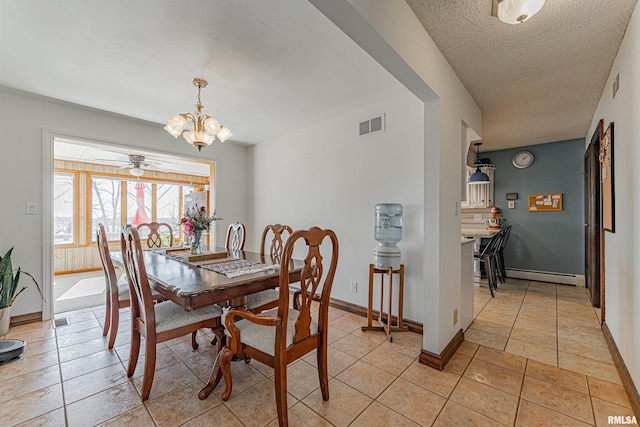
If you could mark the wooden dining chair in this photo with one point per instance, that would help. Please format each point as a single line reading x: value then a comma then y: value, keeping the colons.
x: 277, y: 235
x: 283, y: 335
x: 154, y: 238
x: 160, y: 322
x: 236, y: 235
x: 117, y: 293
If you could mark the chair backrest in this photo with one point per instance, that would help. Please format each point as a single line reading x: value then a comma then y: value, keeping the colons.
x: 277, y: 243
x: 493, y: 245
x: 316, y: 276
x: 236, y: 235
x: 107, y: 264
x: 505, y: 237
x: 154, y: 238
x: 139, y: 289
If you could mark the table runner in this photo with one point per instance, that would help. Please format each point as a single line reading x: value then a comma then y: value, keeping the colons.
x: 230, y: 267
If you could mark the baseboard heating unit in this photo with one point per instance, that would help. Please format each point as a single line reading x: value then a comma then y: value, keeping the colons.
x: 547, y: 276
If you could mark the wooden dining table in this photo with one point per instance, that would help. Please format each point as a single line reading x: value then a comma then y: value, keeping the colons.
x: 192, y: 286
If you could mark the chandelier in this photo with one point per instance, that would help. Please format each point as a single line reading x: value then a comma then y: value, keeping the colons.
x: 205, y: 128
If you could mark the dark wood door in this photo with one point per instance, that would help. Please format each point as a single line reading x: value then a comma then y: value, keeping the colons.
x: 592, y: 222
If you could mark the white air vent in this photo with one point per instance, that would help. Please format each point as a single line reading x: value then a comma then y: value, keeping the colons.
x: 375, y: 124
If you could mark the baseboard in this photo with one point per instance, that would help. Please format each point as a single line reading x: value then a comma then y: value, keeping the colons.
x: 23, y: 319
x: 362, y: 311
x: 546, y: 276
x: 439, y: 361
x: 625, y: 376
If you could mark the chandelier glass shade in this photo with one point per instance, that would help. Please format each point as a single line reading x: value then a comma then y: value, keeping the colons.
x: 518, y: 11
x: 205, y: 128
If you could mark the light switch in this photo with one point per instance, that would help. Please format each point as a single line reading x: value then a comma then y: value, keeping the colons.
x: 32, y: 208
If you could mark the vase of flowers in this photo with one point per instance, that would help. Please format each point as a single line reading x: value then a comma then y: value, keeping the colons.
x: 195, y: 221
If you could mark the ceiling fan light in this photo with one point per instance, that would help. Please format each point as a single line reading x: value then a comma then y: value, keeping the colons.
x: 136, y: 171
x: 176, y: 125
x: 518, y: 11
x: 212, y: 125
x: 224, y: 134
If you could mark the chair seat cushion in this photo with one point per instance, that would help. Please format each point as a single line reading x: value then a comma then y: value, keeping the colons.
x: 171, y: 316
x: 123, y: 293
x: 263, y: 337
x: 261, y: 298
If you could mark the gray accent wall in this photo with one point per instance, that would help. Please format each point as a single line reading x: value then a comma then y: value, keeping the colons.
x: 543, y: 241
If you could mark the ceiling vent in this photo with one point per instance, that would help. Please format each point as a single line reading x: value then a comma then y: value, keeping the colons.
x: 375, y: 124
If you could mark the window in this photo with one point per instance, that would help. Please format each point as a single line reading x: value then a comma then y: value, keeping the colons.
x: 139, y: 202
x: 106, y: 206
x: 168, y: 204
x: 63, y: 208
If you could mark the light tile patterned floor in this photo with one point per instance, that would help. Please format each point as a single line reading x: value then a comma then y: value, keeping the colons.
x: 556, y: 370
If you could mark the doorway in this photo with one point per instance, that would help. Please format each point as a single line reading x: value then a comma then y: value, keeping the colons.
x: 593, y: 239
x: 95, y: 182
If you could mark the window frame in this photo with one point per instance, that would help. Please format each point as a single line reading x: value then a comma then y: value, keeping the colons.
x: 87, y: 236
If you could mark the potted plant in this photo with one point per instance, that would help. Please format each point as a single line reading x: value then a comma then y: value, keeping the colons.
x: 9, y: 289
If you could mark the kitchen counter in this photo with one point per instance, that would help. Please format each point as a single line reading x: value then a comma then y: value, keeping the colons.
x: 465, y: 240
x: 478, y: 232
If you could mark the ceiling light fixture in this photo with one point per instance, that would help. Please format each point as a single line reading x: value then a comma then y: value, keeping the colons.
x: 516, y: 11
x: 478, y: 177
x: 136, y: 161
x: 205, y: 128
x: 136, y: 171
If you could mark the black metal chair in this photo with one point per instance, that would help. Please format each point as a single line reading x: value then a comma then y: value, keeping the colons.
x: 487, y: 258
x: 502, y: 272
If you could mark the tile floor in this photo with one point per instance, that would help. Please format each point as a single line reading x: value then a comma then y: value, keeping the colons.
x: 533, y: 356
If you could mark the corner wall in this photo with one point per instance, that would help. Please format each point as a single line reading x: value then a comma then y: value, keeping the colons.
x: 328, y: 176
x: 622, y: 248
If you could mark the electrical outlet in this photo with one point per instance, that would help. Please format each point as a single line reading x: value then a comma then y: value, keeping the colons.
x: 354, y: 286
x: 455, y: 316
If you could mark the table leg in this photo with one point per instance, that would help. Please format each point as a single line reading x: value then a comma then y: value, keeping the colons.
x: 216, y: 374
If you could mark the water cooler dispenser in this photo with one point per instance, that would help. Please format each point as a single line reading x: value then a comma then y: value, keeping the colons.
x: 388, y: 232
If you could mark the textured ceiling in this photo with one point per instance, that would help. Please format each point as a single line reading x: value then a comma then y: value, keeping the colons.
x: 535, y: 82
x: 272, y: 66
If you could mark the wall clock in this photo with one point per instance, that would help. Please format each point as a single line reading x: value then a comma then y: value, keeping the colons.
x: 522, y: 159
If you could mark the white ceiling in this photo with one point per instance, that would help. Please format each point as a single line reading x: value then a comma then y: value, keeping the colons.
x: 274, y: 66
x: 535, y: 82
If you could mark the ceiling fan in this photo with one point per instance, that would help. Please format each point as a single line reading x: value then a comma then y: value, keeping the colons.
x: 136, y: 164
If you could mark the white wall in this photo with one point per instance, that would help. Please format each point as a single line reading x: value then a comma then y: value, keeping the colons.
x: 25, y: 118
x: 390, y: 32
x: 622, y: 248
x: 326, y: 175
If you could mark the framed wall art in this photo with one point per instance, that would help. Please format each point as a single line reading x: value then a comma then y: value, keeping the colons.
x: 607, y: 180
